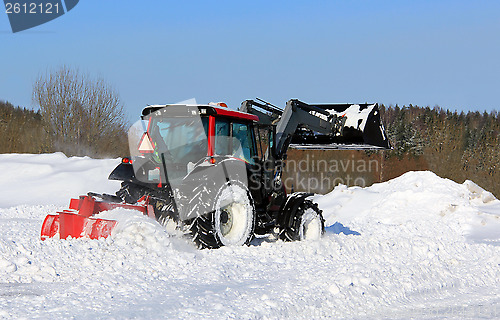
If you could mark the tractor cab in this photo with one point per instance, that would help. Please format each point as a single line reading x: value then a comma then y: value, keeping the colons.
x: 176, y: 138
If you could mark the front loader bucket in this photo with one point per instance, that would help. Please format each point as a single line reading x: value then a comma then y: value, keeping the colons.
x: 358, y: 124
x: 78, y: 221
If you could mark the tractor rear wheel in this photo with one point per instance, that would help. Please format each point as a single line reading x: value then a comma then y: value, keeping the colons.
x: 231, y: 221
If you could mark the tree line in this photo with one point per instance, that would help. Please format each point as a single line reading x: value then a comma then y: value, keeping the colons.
x: 454, y: 145
x: 21, y: 130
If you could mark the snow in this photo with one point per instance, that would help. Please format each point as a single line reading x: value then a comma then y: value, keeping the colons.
x: 418, y: 246
x: 356, y: 118
x: 52, y: 178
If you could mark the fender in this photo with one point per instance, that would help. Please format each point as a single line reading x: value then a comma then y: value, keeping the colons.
x: 123, y: 172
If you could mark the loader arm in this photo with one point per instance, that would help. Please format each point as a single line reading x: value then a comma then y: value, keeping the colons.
x: 357, y: 124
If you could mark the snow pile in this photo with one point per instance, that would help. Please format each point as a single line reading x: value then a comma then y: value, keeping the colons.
x: 52, y: 178
x: 134, y: 230
x: 417, y: 246
x: 355, y: 116
x: 418, y: 200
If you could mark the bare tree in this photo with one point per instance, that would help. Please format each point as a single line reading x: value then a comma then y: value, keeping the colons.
x: 83, y: 115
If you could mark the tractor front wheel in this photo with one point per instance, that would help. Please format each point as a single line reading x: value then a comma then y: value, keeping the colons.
x: 306, y: 223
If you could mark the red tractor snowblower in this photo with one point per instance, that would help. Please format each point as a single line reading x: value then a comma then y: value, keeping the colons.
x: 216, y: 172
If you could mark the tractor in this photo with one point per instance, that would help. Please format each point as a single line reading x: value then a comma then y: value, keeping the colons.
x: 216, y: 173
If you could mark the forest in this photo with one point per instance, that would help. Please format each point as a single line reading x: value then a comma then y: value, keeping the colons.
x: 453, y: 145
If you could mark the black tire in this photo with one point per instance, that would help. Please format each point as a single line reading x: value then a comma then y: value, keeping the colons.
x: 163, y: 205
x: 130, y: 192
x: 306, y: 223
x: 231, y: 221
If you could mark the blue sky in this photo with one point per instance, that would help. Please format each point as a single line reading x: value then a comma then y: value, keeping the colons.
x: 426, y: 53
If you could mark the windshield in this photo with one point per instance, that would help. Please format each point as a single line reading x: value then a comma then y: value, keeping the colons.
x: 180, y: 139
x: 167, y: 143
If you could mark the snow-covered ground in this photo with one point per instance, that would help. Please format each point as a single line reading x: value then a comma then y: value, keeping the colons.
x: 418, y: 246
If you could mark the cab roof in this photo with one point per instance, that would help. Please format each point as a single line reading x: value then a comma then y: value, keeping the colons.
x: 204, y: 109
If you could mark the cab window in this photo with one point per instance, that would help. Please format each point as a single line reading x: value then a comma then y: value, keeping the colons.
x: 221, y: 137
x: 234, y: 138
x: 243, y: 146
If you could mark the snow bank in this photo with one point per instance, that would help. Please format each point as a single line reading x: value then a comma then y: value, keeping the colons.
x: 419, y: 200
x: 417, y: 246
x: 52, y: 178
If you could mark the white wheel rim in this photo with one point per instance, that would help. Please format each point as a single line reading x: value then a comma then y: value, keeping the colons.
x: 310, y: 225
x: 233, y: 215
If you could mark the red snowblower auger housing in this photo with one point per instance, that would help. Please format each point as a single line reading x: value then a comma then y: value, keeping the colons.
x: 78, y: 220
x: 216, y: 172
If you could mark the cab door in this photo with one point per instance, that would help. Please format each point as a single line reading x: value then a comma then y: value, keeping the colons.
x: 264, y: 138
